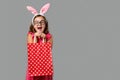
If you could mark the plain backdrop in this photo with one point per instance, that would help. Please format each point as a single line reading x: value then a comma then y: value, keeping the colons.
x: 86, y: 38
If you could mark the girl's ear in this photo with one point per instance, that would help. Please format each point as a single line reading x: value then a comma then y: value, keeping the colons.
x: 44, y: 9
x: 32, y: 10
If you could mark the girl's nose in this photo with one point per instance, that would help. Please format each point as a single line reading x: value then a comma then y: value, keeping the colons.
x: 39, y: 24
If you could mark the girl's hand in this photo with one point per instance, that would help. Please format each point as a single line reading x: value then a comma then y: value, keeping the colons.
x: 43, y: 35
x: 37, y: 34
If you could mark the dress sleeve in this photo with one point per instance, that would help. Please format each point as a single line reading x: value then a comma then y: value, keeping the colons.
x: 48, y: 36
x: 31, y: 33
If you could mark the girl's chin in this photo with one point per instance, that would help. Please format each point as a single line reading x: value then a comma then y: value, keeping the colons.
x: 39, y: 30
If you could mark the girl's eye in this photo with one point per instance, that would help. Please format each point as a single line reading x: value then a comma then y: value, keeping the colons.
x: 36, y: 22
x: 41, y: 22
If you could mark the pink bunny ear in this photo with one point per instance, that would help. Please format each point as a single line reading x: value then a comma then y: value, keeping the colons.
x: 32, y: 10
x: 44, y: 9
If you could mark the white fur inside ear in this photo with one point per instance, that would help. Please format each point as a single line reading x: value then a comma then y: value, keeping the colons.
x: 44, y: 9
x: 32, y: 10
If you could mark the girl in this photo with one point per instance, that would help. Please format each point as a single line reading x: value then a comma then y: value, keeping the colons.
x: 39, y: 30
x: 37, y: 33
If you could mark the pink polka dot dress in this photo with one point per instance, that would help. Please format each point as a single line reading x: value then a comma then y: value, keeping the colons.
x: 40, y: 66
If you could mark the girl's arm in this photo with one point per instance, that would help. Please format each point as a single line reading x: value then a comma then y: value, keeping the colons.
x: 35, y: 39
x: 29, y: 38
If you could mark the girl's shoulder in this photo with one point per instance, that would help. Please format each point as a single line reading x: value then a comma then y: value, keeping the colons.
x: 30, y: 33
x: 48, y: 35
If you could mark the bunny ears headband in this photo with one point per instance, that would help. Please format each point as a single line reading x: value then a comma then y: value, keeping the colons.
x: 43, y: 10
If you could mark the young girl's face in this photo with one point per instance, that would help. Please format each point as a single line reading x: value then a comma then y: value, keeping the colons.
x: 39, y: 24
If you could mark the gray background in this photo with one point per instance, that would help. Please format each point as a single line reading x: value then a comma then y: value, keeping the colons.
x: 86, y: 38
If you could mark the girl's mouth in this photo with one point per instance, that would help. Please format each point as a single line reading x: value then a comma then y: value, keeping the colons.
x: 39, y: 27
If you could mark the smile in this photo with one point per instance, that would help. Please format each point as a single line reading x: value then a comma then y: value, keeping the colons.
x: 39, y: 27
